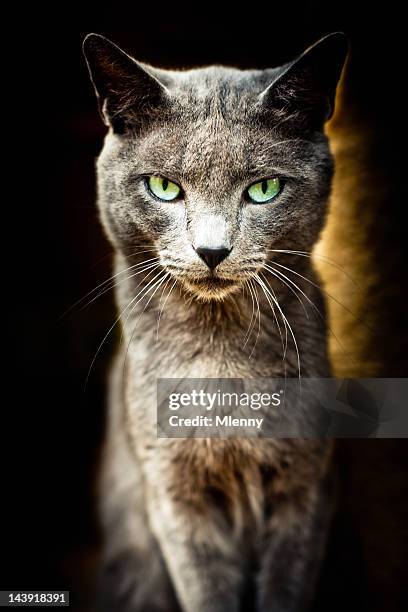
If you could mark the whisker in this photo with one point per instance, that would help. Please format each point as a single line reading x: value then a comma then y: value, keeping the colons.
x: 250, y: 326
x: 124, y: 250
x: 271, y: 292
x: 323, y: 290
x: 107, y: 335
x: 328, y: 260
x: 116, y: 284
x: 284, y: 347
x: 163, y: 305
x: 275, y: 272
x: 157, y: 284
x: 318, y: 312
x: 280, y: 276
x: 143, y: 292
x: 259, y: 319
x: 289, y: 325
x: 276, y: 320
x: 78, y: 302
x: 275, y: 144
x: 156, y: 287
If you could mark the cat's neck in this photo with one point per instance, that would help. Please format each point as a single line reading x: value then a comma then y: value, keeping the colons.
x: 245, y: 333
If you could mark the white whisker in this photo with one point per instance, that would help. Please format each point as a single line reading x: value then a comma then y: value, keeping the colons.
x: 318, y: 312
x: 259, y: 280
x: 318, y: 287
x: 156, y: 287
x: 329, y: 260
x: 164, y: 304
x: 275, y: 273
x: 109, y: 332
x: 250, y: 326
x: 105, y: 282
x: 145, y: 267
x: 267, y: 289
x: 266, y: 293
x: 259, y: 318
x: 143, y: 292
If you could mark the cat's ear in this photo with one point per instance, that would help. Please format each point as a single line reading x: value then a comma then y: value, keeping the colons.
x: 307, y: 86
x: 125, y: 90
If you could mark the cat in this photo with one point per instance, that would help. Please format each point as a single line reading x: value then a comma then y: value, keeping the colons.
x: 209, y: 181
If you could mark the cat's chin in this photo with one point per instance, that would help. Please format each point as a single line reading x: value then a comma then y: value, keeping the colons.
x: 212, y: 288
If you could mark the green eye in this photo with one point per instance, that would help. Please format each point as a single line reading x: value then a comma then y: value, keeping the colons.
x: 264, y: 190
x: 163, y: 189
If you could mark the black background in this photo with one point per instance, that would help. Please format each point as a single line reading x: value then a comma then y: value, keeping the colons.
x: 54, y: 253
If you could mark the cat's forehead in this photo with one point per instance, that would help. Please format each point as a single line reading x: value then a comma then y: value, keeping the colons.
x: 212, y: 121
x: 196, y: 152
x: 214, y: 153
x: 206, y: 90
x: 212, y: 136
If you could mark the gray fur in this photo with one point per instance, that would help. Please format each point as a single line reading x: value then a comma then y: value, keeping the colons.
x: 214, y: 131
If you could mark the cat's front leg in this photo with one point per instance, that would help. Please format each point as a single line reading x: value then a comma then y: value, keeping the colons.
x: 204, y: 565
x: 292, y: 553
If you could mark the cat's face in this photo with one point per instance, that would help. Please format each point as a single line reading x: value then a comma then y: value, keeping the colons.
x: 214, y: 167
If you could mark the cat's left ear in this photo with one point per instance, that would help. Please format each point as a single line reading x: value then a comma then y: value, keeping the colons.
x: 307, y: 86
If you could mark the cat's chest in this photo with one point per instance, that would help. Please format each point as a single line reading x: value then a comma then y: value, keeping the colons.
x: 204, y: 364
x: 185, y: 352
x: 241, y: 482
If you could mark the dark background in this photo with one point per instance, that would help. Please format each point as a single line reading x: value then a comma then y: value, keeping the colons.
x: 54, y: 253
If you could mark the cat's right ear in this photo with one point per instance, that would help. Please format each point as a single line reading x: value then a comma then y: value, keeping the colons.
x: 125, y: 90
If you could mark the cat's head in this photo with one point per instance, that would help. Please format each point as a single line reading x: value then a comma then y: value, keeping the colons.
x: 214, y: 167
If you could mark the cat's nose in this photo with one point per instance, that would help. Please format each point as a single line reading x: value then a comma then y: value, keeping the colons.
x: 213, y: 257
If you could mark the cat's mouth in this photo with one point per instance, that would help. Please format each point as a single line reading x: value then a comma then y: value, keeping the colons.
x: 207, y: 285
x: 211, y: 287
x: 212, y: 281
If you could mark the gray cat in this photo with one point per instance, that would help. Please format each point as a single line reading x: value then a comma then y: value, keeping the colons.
x: 211, y: 184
